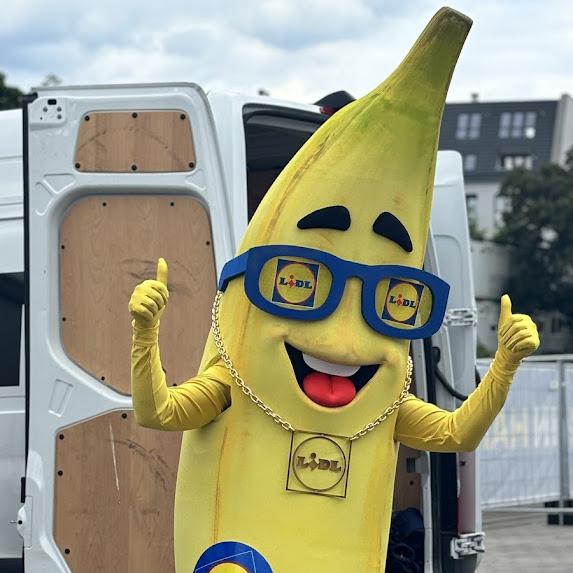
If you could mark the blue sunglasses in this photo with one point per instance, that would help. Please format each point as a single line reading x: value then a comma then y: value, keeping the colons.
x: 308, y: 284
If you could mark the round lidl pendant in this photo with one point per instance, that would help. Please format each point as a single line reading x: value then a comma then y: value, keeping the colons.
x: 319, y: 464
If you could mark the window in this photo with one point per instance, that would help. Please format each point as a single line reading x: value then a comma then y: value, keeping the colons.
x: 11, y: 301
x: 530, y: 121
x: 462, y: 128
x: 504, y: 163
x: 523, y: 161
x: 511, y: 162
x: 472, y: 208
x: 517, y: 124
x: 468, y: 126
x: 504, y: 123
x: 271, y: 140
x: 502, y: 206
x: 470, y: 162
x: 475, y: 125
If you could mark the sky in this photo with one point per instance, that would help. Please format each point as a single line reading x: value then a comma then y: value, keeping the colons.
x: 298, y: 50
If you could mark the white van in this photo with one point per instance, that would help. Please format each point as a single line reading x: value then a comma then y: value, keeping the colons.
x: 111, y: 178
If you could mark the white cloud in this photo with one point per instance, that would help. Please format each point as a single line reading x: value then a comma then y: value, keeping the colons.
x: 300, y: 49
x: 299, y: 23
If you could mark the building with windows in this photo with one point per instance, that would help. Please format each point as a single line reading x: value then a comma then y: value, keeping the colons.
x: 494, y: 138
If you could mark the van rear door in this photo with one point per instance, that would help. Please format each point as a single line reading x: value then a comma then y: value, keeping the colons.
x: 115, y: 177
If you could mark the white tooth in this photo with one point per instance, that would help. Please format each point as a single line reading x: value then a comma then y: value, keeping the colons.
x: 329, y: 367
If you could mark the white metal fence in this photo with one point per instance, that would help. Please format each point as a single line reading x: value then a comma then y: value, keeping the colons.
x: 526, y: 455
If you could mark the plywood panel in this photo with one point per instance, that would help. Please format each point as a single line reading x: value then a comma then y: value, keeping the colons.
x: 114, y: 495
x: 108, y: 245
x: 142, y: 141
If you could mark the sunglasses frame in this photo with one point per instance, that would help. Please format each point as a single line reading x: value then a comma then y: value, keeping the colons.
x: 251, y: 262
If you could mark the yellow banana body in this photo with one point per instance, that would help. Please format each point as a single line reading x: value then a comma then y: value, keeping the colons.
x: 235, y: 479
x: 243, y: 497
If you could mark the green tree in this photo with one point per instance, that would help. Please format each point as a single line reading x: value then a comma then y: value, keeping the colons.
x: 10, y: 97
x: 539, y: 226
x: 51, y: 80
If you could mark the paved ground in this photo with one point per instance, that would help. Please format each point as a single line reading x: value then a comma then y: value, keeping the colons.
x: 524, y: 543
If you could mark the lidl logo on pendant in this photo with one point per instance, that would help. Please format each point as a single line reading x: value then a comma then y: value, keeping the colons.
x: 295, y: 283
x: 402, y: 301
x: 319, y: 464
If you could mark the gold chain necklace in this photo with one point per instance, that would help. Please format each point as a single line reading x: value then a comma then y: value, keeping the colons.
x: 269, y: 411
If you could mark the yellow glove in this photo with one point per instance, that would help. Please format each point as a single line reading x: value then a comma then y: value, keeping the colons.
x: 149, y: 299
x: 517, y: 338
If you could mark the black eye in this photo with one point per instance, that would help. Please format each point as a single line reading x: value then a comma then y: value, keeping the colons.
x: 389, y: 226
x: 335, y: 217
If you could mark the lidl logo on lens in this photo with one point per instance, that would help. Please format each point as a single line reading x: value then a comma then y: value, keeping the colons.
x: 402, y: 301
x: 295, y: 283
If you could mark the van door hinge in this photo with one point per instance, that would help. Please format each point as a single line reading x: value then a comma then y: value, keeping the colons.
x: 467, y: 544
x: 461, y: 317
x: 24, y: 522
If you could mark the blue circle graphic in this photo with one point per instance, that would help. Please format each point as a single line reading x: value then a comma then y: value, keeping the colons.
x: 232, y: 552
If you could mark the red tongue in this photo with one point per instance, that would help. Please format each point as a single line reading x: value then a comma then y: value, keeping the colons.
x: 329, y: 391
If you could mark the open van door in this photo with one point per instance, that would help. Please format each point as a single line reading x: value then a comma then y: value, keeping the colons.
x: 451, y: 373
x: 115, y: 177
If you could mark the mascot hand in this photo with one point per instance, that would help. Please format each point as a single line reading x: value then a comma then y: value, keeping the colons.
x: 516, y: 334
x: 149, y: 298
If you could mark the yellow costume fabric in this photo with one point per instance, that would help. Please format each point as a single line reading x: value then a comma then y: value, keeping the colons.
x: 347, y: 220
x: 185, y: 407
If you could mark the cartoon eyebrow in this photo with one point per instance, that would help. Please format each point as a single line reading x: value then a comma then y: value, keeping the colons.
x: 389, y: 226
x: 335, y: 217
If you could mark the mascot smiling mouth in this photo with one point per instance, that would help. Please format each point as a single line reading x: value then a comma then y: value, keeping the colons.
x: 327, y: 383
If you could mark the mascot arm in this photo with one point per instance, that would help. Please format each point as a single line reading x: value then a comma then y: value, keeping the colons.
x: 155, y: 405
x: 426, y: 427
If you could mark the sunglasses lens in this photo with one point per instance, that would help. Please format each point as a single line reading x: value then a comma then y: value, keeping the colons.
x: 295, y: 282
x: 403, y: 303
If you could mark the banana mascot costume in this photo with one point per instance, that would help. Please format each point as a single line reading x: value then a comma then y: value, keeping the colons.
x: 311, y: 330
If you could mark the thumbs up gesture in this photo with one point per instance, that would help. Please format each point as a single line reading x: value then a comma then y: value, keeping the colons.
x: 149, y: 298
x: 516, y: 334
